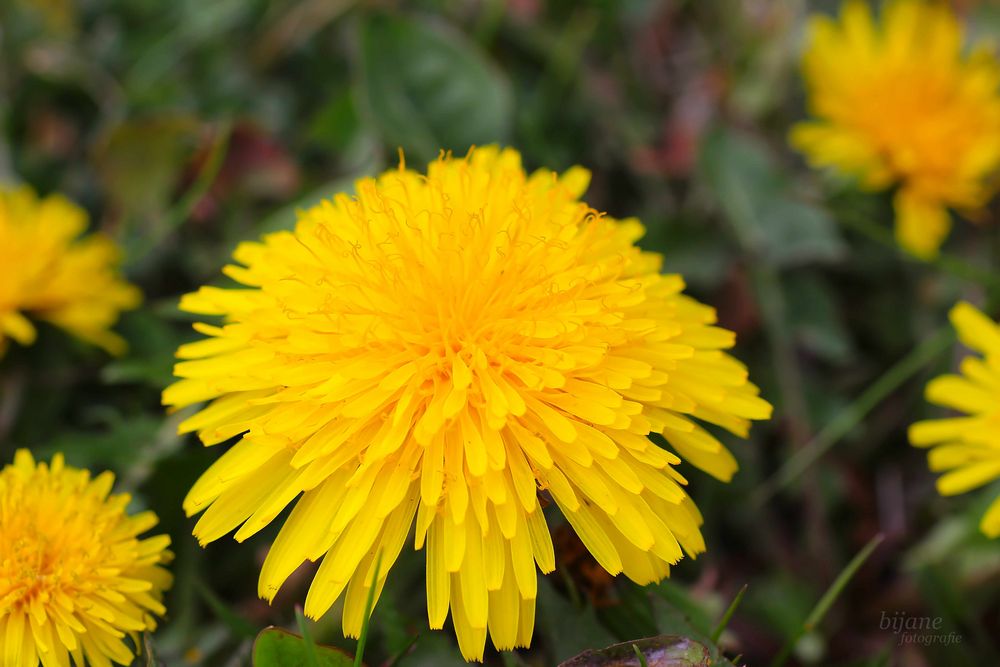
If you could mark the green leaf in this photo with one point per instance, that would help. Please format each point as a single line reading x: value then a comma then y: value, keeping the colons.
x: 632, y: 615
x: 335, y: 124
x: 662, y: 651
x: 566, y: 628
x: 286, y: 217
x: 680, y: 613
x: 778, y: 602
x: 152, y: 342
x: 758, y: 201
x: 139, y: 163
x: 112, y: 445
x: 275, y: 647
x: 816, y: 319
x: 426, y: 88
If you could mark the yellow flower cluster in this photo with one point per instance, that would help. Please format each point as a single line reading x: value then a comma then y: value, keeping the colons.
x: 47, y: 272
x: 437, y: 350
x: 901, y: 104
x: 75, y: 577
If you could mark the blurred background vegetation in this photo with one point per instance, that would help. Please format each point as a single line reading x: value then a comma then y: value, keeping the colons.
x: 186, y: 126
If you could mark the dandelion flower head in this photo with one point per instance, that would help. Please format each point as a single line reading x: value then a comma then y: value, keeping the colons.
x: 76, y: 579
x: 966, y: 448
x: 49, y: 273
x: 449, y: 351
x: 901, y: 103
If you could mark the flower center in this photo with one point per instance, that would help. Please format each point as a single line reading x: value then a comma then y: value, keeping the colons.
x: 45, y: 552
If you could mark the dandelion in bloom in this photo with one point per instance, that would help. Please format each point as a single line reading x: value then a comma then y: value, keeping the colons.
x: 902, y: 104
x: 48, y: 273
x: 75, y: 577
x: 446, y: 350
x: 967, y: 448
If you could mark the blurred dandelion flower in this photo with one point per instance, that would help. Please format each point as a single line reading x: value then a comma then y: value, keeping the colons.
x: 442, y: 347
x: 48, y: 273
x: 75, y: 578
x: 967, y: 449
x: 901, y: 105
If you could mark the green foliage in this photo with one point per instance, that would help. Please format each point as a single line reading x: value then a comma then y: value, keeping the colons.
x: 758, y: 200
x: 427, y: 89
x: 187, y: 127
x: 275, y: 647
x: 826, y: 601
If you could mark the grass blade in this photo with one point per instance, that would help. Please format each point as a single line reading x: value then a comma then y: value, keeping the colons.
x: 238, y: 625
x: 642, y: 658
x: 726, y: 617
x: 828, y: 598
x: 853, y: 414
x: 369, y: 603
x: 182, y: 210
x: 838, y: 585
x: 951, y: 264
x: 406, y: 649
x: 306, y: 638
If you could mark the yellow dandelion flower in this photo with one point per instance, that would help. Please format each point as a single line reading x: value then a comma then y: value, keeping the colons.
x: 901, y: 104
x: 436, y: 350
x: 75, y: 578
x: 47, y: 272
x: 967, y: 449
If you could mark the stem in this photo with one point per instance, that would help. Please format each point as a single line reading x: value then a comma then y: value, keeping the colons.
x: 767, y: 285
x: 12, y: 388
x: 369, y: 603
x: 950, y: 264
x: 639, y: 654
x: 766, y: 279
x: 726, y: 617
x: 307, y: 639
x: 181, y: 211
x: 854, y: 413
x: 827, y: 600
